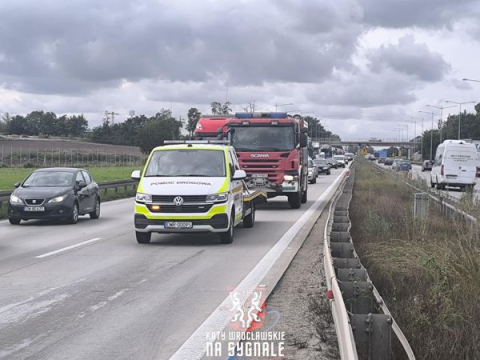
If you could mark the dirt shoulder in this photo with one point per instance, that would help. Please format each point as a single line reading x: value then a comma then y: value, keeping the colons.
x: 297, y: 305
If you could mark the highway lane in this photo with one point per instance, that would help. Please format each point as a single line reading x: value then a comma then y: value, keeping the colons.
x: 114, y: 299
x: 452, y: 191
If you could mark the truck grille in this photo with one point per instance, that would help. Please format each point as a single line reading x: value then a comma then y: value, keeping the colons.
x: 186, y: 198
x: 181, y: 209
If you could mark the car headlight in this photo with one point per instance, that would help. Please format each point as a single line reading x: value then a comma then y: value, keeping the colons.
x: 57, y: 199
x: 310, y: 172
x: 143, y: 198
x: 15, y: 199
x: 288, y: 178
x: 217, y: 198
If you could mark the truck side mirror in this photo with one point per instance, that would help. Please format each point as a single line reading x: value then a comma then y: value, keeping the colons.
x: 304, y: 130
x: 136, y: 175
x: 303, y: 140
x: 239, y: 175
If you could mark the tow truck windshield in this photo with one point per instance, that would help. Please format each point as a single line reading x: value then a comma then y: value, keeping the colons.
x: 257, y: 138
x: 178, y: 163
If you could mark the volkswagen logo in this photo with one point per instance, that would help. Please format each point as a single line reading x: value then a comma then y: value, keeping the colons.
x: 178, y: 201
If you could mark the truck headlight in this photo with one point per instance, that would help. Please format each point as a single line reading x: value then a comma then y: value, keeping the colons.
x: 217, y: 198
x: 143, y: 198
x: 288, y: 178
x: 15, y: 199
x: 57, y: 199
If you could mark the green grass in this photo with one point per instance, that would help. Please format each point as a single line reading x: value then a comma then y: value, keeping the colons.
x: 9, y: 176
x: 427, y: 269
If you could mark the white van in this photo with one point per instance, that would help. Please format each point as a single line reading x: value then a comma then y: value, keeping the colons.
x: 454, y: 165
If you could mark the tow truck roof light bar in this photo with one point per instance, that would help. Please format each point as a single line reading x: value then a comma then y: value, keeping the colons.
x: 217, y: 142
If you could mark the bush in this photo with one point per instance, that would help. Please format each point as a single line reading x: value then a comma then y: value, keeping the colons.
x: 29, y: 165
x: 3, y: 166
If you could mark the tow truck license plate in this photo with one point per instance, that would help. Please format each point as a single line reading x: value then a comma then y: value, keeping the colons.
x: 34, y: 208
x: 178, y: 224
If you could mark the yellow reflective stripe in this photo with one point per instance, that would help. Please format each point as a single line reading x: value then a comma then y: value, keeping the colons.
x: 237, y: 189
x: 216, y: 209
x: 224, y: 187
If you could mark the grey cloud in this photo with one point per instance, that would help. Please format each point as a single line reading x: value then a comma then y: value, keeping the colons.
x: 76, y: 46
x: 420, y: 13
x: 410, y: 58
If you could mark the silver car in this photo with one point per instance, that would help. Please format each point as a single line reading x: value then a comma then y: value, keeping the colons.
x: 312, y: 172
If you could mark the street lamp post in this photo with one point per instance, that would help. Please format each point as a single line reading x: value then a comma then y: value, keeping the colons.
x: 431, y: 133
x: 421, y: 141
x: 471, y: 80
x: 441, y: 117
x: 277, y: 105
x: 415, y: 135
x: 460, y: 112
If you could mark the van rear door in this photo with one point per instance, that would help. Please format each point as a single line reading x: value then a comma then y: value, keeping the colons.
x: 460, y: 165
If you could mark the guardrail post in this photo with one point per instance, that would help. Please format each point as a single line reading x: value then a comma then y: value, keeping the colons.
x: 420, y: 205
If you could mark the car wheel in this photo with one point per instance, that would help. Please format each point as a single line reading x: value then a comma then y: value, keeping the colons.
x: 439, y: 186
x: 95, y: 214
x: 143, y: 237
x: 249, y: 220
x: 432, y: 185
x: 74, y: 215
x: 227, y: 237
x: 314, y: 181
x: 14, y: 221
x: 328, y: 173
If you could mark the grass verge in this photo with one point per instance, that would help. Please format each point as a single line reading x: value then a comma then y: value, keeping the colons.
x: 427, y: 269
x: 9, y: 176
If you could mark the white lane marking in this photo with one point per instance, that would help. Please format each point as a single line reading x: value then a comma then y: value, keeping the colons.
x: 194, y: 347
x: 67, y: 248
x: 101, y: 304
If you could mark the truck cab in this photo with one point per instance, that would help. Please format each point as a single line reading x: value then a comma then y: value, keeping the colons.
x: 273, y: 151
x: 208, y: 126
x: 192, y: 187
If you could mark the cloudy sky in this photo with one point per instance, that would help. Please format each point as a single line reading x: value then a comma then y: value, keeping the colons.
x: 363, y: 66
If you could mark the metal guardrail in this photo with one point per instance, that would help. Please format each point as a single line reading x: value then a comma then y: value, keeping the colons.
x: 444, y: 200
x: 358, y: 326
x: 116, y: 184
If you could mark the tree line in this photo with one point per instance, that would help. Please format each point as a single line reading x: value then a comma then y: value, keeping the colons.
x: 469, y: 129
x: 40, y: 123
x: 142, y: 131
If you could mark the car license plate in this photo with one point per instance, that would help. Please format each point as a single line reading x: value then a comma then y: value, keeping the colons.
x: 34, y: 208
x: 451, y: 176
x: 178, y: 224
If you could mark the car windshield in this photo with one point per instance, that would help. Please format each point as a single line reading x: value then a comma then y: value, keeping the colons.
x: 176, y: 163
x: 321, y: 162
x: 339, y: 157
x: 263, y: 138
x: 49, y: 179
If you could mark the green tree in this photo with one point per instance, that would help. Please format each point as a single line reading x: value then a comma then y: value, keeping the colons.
x: 220, y: 109
x: 157, y: 129
x: 193, y: 117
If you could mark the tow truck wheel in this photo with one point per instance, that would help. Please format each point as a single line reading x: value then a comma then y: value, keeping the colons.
x: 249, y: 220
x: 143, y: 237
x: 227, y: 237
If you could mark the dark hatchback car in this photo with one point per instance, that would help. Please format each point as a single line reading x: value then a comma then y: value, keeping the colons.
x: 322, y: 165
x: 427, y: 165
x: 55, y: 194
x: 404, y: 166
x: 388, y: 162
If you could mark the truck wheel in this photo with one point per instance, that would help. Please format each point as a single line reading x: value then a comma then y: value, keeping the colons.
x: 143, y: 237
x: 249, y: 220
x: 304, y: 196
x: 295, y: 200
x: 227, y: 237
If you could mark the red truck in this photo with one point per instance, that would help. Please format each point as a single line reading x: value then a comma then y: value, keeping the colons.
x: 208, y: 125
x: 272, y: 150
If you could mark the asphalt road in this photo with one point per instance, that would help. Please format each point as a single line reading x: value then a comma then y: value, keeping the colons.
x: 89, y: 291
x: 452, y: 191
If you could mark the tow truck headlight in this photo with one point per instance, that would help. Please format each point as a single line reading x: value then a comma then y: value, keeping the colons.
x: 217, y: 198
x: 288, y: 178
x: 57, y: 199
x: 143, y: 198
x: 15, y: 199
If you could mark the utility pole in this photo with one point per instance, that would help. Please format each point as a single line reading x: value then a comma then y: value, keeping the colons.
x: 440, y: 125
x: 431, y: 133
x: 460, y: 112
